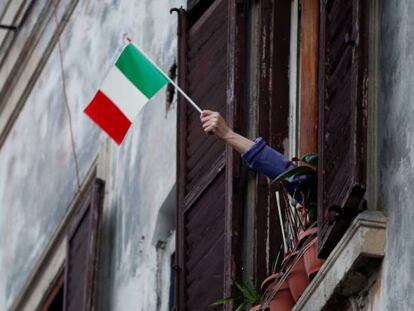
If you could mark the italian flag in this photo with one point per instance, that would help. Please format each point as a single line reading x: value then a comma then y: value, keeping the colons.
x: 129, y: 85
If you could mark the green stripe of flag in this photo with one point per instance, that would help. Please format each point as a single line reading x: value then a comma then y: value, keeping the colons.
x: 139, y: 70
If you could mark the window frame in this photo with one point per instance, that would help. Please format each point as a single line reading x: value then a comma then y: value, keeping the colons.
x: 57, y: 285
x: 92, y: 203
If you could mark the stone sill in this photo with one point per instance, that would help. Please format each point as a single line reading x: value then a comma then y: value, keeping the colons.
x: 349, y: 265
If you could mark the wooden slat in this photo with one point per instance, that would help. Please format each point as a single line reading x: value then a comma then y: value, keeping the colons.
x: 199, y: 33
x: 197, y: 252
x: 341, y: 113
x: 203, y: 232
x: 196, y: 271
x: 205, y: 162
x: 204, y: 183
x: 204, y: 165
x: 201, y: 294
x: 194, y: 184
x: 202, y: 150
x: 204, y: 86
x: 199, y: 72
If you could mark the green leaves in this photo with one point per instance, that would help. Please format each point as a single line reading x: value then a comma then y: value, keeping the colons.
x: 222, y: 301
x: 249, y: 297
x: 249, y: 293
x: 311, y: 159
x: 305, y: 189
x: 243, y: 306
x: 295, y: 171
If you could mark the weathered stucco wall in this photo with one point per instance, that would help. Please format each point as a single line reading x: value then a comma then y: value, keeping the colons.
x: 37, y: 170
x: 396, y: 152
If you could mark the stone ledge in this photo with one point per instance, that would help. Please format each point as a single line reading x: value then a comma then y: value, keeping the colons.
x: 350, y: 264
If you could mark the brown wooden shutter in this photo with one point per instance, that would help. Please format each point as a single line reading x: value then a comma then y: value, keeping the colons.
x: 272, y: 106
x: 206, y: 173
x: 81, y: 262
x: 342, y: 117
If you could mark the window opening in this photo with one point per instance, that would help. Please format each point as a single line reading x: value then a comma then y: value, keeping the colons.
x: 294, y: 78
x: 165, y: 275
x: 54, y: 299
x: 171, y: 298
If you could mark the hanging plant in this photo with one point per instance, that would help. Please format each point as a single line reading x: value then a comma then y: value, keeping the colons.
x: 246, y: 297
x: 305, y: 179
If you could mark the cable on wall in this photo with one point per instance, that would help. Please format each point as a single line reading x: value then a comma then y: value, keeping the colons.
x: 66, y: 101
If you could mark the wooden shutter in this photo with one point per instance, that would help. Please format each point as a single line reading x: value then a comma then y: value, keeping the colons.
x: 272, y: 106
x: 81, y: 262
x: 342, y: 117
x: 206, y: 173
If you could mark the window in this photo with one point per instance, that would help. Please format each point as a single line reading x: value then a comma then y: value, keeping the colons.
x: 166, y: 274
x: 303, y: 80
x: 328, y: 101
x: 164, y: 242
x: 294, y: 71
x: 82, y: 249
x: 54, y: 299
x: 74, y: 288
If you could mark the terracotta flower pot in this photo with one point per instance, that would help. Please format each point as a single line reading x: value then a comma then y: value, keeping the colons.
x: 270, y: 280
x: 282, y: 300
x: 255, y: 308
x: 304, y: 237
x: 297, y: 278
x: 311, y: 260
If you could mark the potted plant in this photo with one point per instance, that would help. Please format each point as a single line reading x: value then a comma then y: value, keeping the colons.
x: 305, y: 191
x: 276, y: 293
x: 311, y: 260
x: 247, y: 298
x: 301, y: 214
x: 296, y: 275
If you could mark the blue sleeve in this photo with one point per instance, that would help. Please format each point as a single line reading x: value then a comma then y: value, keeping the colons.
x: 269, y: 162
x: 266, y: 160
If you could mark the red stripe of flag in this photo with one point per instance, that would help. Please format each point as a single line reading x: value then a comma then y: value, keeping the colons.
x: 108, y: 117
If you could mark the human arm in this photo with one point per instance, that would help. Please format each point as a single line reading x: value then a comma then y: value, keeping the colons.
x: 214, y: 124
x: 257, y: 154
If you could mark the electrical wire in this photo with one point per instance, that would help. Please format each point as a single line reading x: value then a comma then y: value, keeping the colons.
x: 66, y: 101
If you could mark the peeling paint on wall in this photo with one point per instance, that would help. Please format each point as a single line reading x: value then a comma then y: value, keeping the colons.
x: 37, y: 172
x: 396, y: 153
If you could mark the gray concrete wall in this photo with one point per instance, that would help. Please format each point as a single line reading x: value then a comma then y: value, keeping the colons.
x: 396, y: 150
x: 37, y: 168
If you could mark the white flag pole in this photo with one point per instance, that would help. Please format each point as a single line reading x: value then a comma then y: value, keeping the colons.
x: 170, y: 80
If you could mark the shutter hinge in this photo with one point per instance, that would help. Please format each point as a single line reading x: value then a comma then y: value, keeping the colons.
x: 8, y: 27
x: 177, y: 268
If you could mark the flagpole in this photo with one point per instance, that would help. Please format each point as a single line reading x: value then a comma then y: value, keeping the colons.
x: 169, y: 80
x: 183, y: 93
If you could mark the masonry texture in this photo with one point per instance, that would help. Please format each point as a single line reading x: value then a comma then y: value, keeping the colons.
x: 396, y: 152
x: 38, y: 171
x: 37, y: 167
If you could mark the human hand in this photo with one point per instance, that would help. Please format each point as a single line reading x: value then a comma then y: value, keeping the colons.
x: 214, y: 124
